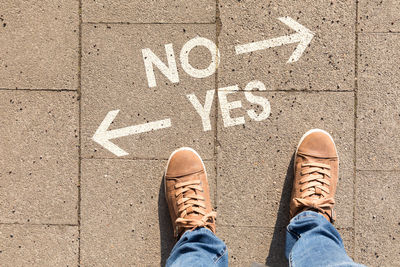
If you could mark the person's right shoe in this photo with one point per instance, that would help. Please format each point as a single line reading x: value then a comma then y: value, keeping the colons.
x: 316, y: 171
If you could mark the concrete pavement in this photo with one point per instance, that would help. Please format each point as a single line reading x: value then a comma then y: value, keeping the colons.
x: 66, y: 200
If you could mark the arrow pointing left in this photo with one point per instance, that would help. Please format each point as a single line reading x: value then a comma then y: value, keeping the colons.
x: 103, y: 136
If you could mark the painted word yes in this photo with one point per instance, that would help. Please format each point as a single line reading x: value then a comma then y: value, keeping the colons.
x: 303, y: 37
x: 226, y: 107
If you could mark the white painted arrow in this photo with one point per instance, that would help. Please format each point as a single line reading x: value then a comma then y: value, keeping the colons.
x: 102, y: 136
x: 303, y: 36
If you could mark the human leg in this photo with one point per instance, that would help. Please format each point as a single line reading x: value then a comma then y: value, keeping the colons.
x: 199, y: 247
x: 311, y: 239
x: 188, y: 198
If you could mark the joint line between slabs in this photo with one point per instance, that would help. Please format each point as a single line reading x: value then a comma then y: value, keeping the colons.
x: 366, y: 170
x: 356, y: 49
x: 40, y: 224
x: 389, y: 32
x: 217, y: 31
x: 80, y: 131
x: 38, y: 90
x: 147, y: 23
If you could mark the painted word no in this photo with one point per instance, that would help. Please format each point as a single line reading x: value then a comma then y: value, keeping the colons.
x: 171, y: 71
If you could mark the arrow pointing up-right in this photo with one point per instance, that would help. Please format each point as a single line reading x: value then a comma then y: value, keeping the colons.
x: 303, y: 36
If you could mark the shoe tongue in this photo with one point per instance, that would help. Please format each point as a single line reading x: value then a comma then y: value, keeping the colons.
x: 312, y: 159
x: 194, y: 216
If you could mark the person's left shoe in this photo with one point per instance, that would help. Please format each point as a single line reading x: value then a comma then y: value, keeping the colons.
x: 187, y: 192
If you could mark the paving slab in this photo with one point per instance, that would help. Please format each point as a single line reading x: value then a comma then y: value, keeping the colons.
x: 125, y: 218
x: 161, y: 11
x: 378, y: 122
x: 39, y: 44
x: 376, y: 219
x: 379, y: 16
x: 114, y: 78
x: 248, y: 245
x: 256, y: 191
x: 347, y: 235
x: 38, y: 245
x: 39, y: 151
x: 326, y: 64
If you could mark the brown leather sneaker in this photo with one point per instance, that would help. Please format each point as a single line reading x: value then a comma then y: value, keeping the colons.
x: 187, y: 192
x: 316, y: 172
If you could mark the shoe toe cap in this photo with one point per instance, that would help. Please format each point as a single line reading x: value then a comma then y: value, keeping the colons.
x: 318, y: 143
x: 183, y: 162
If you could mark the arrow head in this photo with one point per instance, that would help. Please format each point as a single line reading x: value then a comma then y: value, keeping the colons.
x: 305, y: 36
x: 100, y: 136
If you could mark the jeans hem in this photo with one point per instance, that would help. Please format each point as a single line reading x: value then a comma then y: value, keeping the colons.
x: 216, y: 260
x: 292, y: 232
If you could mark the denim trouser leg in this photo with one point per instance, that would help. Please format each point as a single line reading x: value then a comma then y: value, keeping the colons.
x: 311, y: 240
x: 199, y: 247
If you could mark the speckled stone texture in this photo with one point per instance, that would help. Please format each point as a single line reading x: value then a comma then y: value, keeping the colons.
x: 39, y: 150
x: 326, y: 64
x: 39, y: 46
x: 125, y: 218
x: 378, y: 102
x: 149, y: 11
x: 67, y: 201
x: 114, y: 78
x: 38, y: 245
x: 379, y: 16
x: 377, y: 220
x: 264, y: 246
x: 263, y: 181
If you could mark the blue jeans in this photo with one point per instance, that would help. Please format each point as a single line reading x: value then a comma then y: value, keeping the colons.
x: 310, y: 241
x: 199, y: 247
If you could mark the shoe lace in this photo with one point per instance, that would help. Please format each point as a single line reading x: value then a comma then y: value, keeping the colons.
x: 316, y: 182
x: 189, y: 202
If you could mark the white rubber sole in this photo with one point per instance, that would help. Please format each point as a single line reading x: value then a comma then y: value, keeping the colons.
x: 176, y: 151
